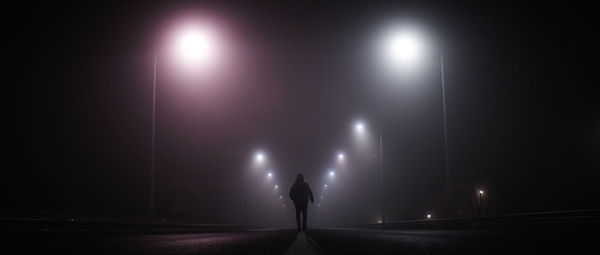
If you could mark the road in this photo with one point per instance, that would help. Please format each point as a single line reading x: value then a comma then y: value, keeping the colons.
x: 318, y: 241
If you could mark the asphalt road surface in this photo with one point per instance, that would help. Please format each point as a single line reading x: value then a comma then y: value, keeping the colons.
x: 318, y: 241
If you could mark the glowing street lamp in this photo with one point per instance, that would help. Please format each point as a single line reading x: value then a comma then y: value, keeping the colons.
x: 198, y: 44
x: 360, y: 130
x: 340, y: 156
x: 404, y: 47
x: 260, y: 157
x: 331, y: 173
x: 480, y: 200
x: 359, y: 127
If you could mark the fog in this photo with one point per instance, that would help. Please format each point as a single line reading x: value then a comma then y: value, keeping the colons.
x: 522, y: 118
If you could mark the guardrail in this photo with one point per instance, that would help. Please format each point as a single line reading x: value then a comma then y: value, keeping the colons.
x: 54, y: 221
x: 563, y: 219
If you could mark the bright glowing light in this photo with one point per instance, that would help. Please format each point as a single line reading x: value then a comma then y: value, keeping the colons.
x: 276, y: 186
x: 379, y: 221
x: 480, y: 192
x: 428, y: 216
x: 340, y: 156
x: 403, y: 47
x: 260, y: 157
x: 270, y: 174
x: 325, y: 186
x: 331, y: 173
x: 360, y: 127
x: 197, y: 44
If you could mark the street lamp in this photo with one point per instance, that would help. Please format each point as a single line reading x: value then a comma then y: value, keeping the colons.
x: 260, y: 157
x: 195, y: 43
x: 360, y: 127
x: 405, y: 47
x: 360, y: 130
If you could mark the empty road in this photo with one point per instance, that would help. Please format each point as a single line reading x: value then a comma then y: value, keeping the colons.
x: 316, y: 241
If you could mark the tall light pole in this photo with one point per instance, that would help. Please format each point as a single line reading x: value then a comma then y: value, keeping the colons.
x: 381, y: 178
x: 259, y: 159
x: 403, y: 47
x: 245, y: 195
x: 195, y: 44
x: 445, y: 129
x: 360, y: 129
x: 152, y: 163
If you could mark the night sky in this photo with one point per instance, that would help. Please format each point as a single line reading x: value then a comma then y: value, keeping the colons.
x: 522, y: 107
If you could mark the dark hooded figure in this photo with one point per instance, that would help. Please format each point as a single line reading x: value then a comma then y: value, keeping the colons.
x: 300, y: 193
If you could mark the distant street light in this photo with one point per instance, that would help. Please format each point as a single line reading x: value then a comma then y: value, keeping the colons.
x: 260, y: 157
x: 481, y: 201
x: 340, y: 156
x: 331, y: 173
x: 428, y: 216
x: 360, y: 129
x: 194, y: 43
x: 359, y: 126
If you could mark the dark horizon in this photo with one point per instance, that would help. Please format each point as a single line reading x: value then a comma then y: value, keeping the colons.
x: 522, y: 109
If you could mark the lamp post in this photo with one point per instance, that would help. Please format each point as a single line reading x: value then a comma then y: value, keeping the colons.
x: 152, y: 162
x: 442, y: 78
x: 194, y: 43
x: 259, y: 158
x: 403, y: 47
x: 360, y: 129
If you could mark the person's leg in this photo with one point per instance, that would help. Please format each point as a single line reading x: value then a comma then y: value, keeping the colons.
x: 304, y: 214
x: 298, y: 208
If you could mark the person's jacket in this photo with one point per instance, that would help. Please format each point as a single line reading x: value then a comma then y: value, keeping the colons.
x: 300, y: 193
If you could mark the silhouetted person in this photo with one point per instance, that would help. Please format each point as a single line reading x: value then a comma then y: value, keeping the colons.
x: 300, y: 193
